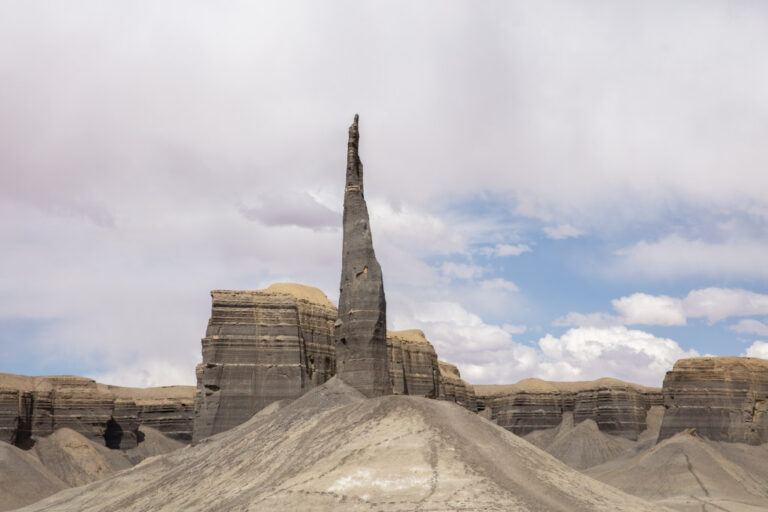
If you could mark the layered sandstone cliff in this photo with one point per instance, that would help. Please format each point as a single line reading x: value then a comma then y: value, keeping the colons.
x: 723, y: 398
x: 413, y: 367
x: 618, y: 408
x: 454, y: 389
x: 38, y: 406
x: 261, y: 346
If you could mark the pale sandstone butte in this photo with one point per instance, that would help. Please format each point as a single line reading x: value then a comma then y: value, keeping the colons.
x: 413, y: 366
x: 723, y: 398
x: 455, y: 389
x: 361, y: 329
x: 617, y: 407
x: 261, y: 346
x: 38, y: 406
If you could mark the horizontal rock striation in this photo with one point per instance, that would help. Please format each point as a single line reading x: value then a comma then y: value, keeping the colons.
x: 617, y: 407
x: 722, y: 398
x: 413, y: 367
x: 261, y: 346
x: 454, y: 389
x: 38, y: 406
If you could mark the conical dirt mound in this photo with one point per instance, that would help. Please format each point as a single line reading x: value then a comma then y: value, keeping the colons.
x: 580, y: 446
x: 686, y: 472
x: 334, y: 450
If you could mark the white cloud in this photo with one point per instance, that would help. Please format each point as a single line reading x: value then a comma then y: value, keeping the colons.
x: 588, y: 320
x: 713, y: 303
x: 757, y: 349
x: 460, y: 270
x: 748, y: 325
x: 503, y: 250
x: 562, y: 231
x: 718, y: 303
x: 148, y: 372
x: 487, y: 353
x: 641, y: 308
x: 676, y: 256
x: 498, y: 284
x: 514, y: 329
x: 593, y: 352
x: 292, y: 209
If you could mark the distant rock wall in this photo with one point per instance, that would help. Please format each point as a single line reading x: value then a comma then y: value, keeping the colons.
x: 261, y: 346
x: 618, y: 408
x: 723, y: 398
x: 454, y: 389
x: 413, y: 367
x: 38, y: 406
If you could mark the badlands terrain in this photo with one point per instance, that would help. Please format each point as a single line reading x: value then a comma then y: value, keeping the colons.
x: 334, y: 449
x: 303, y: 406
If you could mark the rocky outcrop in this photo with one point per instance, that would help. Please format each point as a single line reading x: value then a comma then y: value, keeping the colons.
x: 722, y: 398
x: 617, y: 407
x: 38, y: 406
x: 413, y: 367
x: 361, y: 329
x: 332, y: 449
x: 261, y: 346
x: 454, y: 389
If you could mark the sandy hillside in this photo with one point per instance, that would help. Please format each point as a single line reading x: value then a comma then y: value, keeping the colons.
x: 580, y: 446
x: 334, y: 450
x: 67, y: 459
x: 689, y: 473
x: 23, y: 478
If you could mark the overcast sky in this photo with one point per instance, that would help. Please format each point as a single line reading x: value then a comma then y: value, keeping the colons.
x: 563, y: 190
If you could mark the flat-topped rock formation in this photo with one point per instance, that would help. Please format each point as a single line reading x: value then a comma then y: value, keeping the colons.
x: 455, y: 389
x: 413, y: 367
x: 261, y: 346
x: 361, y: 329
x: 617, y: 407
x: 334, y: 450
x: 723, y: 398
x: 38, y: 406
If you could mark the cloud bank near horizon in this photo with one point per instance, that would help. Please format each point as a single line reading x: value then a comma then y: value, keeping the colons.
x: 591, y: 178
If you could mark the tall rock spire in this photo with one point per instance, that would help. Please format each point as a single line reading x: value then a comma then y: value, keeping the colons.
x: 361, y: 329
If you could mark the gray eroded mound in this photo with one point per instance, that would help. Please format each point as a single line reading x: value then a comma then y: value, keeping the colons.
x: 23, y: 478
x: 153, y: 443
x: 77, y: 460
x: 332, y: 449
x: 67, y: 459
x: 686, y: 472
x: 580, y: 446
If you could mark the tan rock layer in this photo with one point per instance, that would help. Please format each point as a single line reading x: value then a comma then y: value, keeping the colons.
x: 454, y: 389
x: 413, y: 367
x: 723, y: 398
x: 38, y: 406
x: 261, y: 346
x: 617, y: 407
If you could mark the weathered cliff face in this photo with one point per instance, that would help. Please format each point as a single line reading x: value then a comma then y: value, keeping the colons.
x: 38, y: 406
x: 261, y: 346
x: 361, y: 329
x: 723, y: 398
x: 454, y: 389
x: 413, y: 367
x: 618, y: 408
